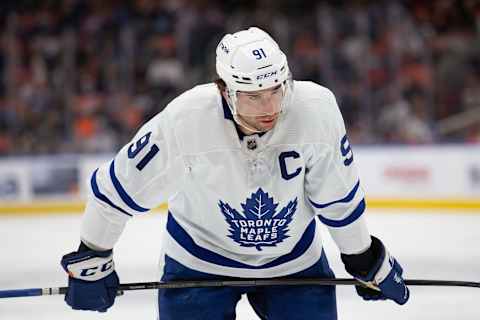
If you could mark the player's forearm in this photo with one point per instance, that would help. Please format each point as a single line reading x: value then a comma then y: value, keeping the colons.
x: 101, y: 227
x: 353, y: 238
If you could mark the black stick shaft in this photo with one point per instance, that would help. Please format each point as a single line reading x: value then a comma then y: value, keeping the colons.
x: 283, y: 282
x: 232, y: 283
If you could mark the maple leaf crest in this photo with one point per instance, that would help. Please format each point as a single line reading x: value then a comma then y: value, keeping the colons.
x: 259, y: 225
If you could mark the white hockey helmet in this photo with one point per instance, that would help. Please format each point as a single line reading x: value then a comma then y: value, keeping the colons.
x: 250, y: 60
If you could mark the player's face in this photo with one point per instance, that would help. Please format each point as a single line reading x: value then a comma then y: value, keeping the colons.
x: 260, y: 109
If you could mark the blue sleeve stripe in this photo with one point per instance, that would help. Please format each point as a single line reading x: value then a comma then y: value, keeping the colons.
x: 346, y: 199
x: 351, y: 218
x: 101, y: 196
x: 186, y: 241
x: 121, y: 191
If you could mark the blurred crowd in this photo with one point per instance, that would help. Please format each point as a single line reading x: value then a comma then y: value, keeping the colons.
x: 81, y: 76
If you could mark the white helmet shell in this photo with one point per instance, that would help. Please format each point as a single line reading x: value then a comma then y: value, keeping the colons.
x: 250, y: 60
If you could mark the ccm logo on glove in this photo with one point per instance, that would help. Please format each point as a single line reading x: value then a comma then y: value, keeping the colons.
x: 90, y: 268
x: 92, y: 271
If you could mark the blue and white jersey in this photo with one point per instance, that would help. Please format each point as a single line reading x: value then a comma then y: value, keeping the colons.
x: 241, y: 207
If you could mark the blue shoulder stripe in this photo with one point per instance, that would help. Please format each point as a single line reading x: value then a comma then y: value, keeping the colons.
x: 346, y: 199
x: 121, y: 191
x: 101, y: 196
x: 351, y: 218
x: 186, y: 241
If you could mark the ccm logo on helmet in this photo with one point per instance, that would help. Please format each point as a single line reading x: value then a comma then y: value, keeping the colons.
x: 266, y: 75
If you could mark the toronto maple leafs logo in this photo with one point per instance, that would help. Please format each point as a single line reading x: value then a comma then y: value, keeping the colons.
x: 260, y: 225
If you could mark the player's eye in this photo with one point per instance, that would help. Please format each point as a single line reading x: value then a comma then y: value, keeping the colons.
x: 254, y: 98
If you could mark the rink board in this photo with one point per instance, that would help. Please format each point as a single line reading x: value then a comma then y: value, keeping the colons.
x: 69, y: 207
x: 445, y: 177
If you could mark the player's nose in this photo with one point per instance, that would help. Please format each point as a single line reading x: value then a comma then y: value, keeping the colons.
x: 269, y: 105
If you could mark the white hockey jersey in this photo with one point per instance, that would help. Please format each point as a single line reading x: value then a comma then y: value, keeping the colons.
x: 237, y: 206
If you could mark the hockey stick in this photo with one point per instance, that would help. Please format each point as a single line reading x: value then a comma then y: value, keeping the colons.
x: 233, y: 283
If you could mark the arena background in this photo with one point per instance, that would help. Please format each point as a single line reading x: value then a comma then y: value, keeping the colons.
x: 79, y: 77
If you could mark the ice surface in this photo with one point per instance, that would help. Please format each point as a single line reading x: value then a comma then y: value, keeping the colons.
x: 428, y: 245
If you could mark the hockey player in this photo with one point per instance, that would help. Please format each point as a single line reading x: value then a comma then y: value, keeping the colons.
x: 249, y: 166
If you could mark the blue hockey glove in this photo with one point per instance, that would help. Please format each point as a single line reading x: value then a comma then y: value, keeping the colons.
x: 380, y: 273
x: 92, y: 281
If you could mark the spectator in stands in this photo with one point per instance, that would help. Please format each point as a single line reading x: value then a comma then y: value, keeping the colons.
x: 53, y: 54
